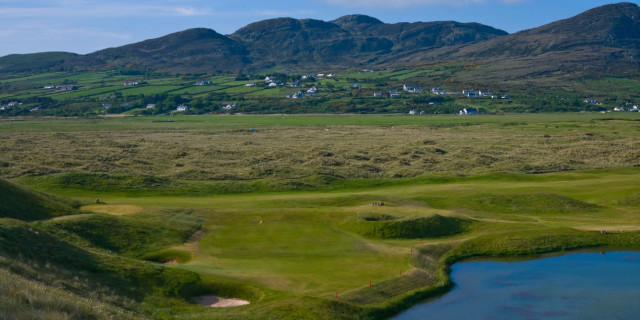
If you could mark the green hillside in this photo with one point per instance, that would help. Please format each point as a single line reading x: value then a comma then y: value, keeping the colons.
x: 19, y: 203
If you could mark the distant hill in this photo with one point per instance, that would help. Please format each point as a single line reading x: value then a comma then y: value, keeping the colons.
x: 192, y: 50
x: 348, y: 41
x: 23, y: 204
x: 46, y: 61
x: 602, y: 40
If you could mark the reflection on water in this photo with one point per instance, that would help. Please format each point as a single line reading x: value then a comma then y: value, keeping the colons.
x: 574, y: 286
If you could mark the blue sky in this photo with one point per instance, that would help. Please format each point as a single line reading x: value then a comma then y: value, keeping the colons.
x: 84, y: 26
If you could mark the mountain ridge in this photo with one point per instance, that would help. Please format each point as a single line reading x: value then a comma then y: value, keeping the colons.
x: 602, y: 39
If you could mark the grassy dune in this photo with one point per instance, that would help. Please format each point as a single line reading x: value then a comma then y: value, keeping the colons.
x: 283, y: 217
x: 20, y: 203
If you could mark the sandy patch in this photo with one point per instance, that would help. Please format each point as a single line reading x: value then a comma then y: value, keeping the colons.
x: 611, y: 229
x: 218, y: 302
x: 115, y: 210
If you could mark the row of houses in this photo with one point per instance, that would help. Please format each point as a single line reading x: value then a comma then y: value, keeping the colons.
x: 311, y: 92
x: 9, y: 105
x: 470, y: 93
x: 63, y: 87
x: 635, y: 108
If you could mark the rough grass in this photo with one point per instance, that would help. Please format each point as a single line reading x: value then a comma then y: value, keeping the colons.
x: 24, y: 299
x: 306, y: 152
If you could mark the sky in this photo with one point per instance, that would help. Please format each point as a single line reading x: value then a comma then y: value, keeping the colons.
x: 84, y: 26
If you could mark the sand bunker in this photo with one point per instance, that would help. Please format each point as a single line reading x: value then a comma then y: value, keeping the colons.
x: 115, y: 210
x: 218, y: 302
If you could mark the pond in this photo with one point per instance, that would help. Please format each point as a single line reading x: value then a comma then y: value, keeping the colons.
x: 573, y: 286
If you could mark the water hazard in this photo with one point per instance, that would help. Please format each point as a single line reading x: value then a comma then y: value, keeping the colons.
x: 573, y: 286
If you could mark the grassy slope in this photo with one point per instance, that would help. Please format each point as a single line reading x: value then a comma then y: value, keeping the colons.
x: 132, y: 236
x: 20, y: 203
x: 35, y: 255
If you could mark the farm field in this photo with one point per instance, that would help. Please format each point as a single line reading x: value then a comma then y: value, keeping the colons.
x: 305, y: 217
x: 438, y: 91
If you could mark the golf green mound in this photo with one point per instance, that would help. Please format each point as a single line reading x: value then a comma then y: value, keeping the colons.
x: 539, y: 203
x: 387, y: 226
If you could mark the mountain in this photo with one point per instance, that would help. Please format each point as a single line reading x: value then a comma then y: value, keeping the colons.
x: 602, y: 40
x: 45, y: 61
x: 192, y: 50
x: 348, y: 41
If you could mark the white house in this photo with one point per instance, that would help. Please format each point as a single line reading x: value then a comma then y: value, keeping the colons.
x: 297, y: 95
x: 356, y: 86
x: 412, y: 112
x: 273, y: 85
x: 250, y: 84
x: 394, y: 95
x: 469, y: 111
x: 151, y: 105
x: 331, y: 75
x: 377, y: 94
x: 229, y: 107
x: 131, y: 83
x: 408, y: 87
x: 182, y: 108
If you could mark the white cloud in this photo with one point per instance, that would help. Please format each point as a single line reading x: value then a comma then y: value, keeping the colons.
x: 188, y: 12
x: 82, y: 9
